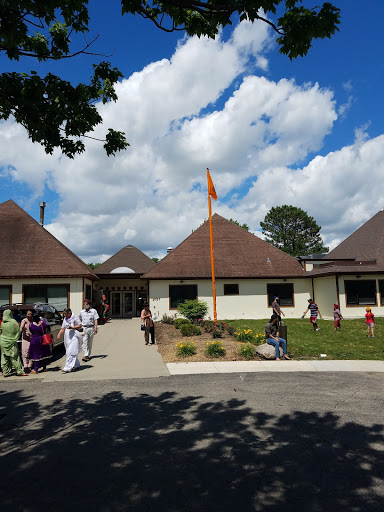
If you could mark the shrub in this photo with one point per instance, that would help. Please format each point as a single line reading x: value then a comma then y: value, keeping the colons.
x: 190, y: 330
x: 215, y: 349
x: 247, y: 351
x: 185, y: 349
x: 207, y: 325
x: 180, y: 321
x: 259, y: 338
x: 230, y: 330
x: 244, y: 334
x: 217, y: 333
x: 167, y: 319
x: 193, y: 309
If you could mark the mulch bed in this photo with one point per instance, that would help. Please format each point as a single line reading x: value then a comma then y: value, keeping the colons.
x: 167, y: 336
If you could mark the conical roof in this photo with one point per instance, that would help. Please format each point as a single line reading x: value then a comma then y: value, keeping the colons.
x: 366, y: 243
x: 128, y: 258
x: 29, y: 250
x: 238, y: 254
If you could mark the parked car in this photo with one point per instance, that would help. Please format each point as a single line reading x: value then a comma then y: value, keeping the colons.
x: 54, y: 318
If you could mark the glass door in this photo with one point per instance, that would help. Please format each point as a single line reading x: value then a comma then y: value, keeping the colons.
x: 128, y: 304
x: 115, y: 304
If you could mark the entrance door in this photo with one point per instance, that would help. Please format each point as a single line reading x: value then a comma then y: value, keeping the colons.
x: 128, y: 304
x: 116, y: 304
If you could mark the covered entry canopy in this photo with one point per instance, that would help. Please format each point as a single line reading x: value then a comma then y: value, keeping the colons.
x: 121, y: 281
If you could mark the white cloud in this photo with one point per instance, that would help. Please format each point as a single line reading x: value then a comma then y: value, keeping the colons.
x: 206, y: 106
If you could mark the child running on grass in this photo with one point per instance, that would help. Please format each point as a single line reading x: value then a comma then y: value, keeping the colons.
x: 337, y: 316
x: 370, y: 322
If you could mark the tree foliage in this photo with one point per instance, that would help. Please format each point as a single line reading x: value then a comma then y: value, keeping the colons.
x: 244, y: 226
x: 93, y: 265
x: 292, y: 230
x: 58, y: 114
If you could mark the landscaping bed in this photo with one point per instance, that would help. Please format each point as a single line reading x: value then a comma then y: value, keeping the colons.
x: 303, y: 342
x: 167, y: 337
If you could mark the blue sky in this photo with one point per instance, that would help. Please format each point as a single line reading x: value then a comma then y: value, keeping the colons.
x: 190, y: 104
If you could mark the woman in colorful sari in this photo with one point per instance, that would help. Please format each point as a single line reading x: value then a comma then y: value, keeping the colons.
x: 26, y: 340
x: 73, y: 340
x: 10, y: 333
x: 38, y: 353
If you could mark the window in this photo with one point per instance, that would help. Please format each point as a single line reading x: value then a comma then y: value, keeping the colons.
x: 231, y: 289
x: 88, y: 291
x: 361, y: 293
x: 56, y: 295
x: 282, y: 290
x: 381, y: 289
x: 180, y: 293
x: 5, y: 295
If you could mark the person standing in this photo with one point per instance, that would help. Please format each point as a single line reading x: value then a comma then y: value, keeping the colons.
x: 38, y: 353
x: 72, y: 340
x: 337, y: 316
x: 88, y: 318
x: 314, y: 309
x: 272, y: 337
x: 104, y: 309
x: 26, y: 341
x: 146, y: 317
x: 370, y: 323
x: 9, y: 335
x: 277, y: 310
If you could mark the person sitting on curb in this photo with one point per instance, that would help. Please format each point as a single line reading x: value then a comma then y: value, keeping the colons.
x: 314, y: 309
x: 272, y: 337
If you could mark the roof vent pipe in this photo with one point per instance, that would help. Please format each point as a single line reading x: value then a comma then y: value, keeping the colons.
x: 42, y: 206
x: 169, y: 249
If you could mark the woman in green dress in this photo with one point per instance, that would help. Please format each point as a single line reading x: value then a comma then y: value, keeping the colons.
x: 9, y: 334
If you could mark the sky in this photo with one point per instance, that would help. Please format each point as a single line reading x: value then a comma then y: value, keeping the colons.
x: 307, y: 133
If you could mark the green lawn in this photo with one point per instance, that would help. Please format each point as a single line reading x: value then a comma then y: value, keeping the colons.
x: 304, y: 343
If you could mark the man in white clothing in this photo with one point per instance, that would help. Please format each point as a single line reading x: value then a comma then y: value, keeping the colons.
x: 88, y: 318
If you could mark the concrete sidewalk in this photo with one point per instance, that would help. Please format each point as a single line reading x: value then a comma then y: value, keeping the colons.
x: 275, y: 366
x: 118, y: 352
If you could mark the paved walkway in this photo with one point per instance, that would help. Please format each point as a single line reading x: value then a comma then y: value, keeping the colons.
x: 119, y: 352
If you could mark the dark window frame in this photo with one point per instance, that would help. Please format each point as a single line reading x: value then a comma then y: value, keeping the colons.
x: 9, y: 286
x: 50, y: 284
x: 226, y: 285
x: 350, y: 282
x: 180, y: 286
x: 381, y: 294
x: 271, y: 294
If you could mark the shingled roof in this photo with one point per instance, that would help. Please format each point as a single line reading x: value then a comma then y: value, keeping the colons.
x: 29, y: 250
x: 365, y: 245
x: 238, y: 254
x: 128, y: 256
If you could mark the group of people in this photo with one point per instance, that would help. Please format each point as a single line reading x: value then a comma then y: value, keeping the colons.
x: 78, y: 331
x: 272, y: 327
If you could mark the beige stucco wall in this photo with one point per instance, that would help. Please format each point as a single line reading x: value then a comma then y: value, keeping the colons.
x: 325, y: 295
x: 250, y: 303
x: 75, y: 289
x: 359, y: 311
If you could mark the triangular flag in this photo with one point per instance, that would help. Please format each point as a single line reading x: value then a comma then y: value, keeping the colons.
x: 211, y: 188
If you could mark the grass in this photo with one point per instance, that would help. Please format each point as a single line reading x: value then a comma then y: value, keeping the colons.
x: 304, y: 343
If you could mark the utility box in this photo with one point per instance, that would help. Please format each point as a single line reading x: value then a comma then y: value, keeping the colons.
x: 283, y: 331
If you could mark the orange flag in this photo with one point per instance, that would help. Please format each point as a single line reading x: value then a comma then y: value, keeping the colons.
x: 211, y: 188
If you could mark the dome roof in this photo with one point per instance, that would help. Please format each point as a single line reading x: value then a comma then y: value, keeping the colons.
x: 122, y: 270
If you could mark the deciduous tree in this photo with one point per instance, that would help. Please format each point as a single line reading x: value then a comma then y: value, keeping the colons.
x: 58, y: 114
x: 293, y: 231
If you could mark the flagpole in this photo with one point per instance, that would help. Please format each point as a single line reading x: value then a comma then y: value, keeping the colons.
x: 212, y: 254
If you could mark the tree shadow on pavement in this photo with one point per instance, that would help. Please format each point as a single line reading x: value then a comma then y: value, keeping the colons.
x: 173, y: 453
